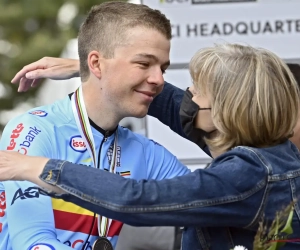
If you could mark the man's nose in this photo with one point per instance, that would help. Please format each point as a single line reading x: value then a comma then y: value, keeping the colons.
x: 156, y: 77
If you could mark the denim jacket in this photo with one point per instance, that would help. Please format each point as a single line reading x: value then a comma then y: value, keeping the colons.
x: 165, y: 107
x: 220, y: 206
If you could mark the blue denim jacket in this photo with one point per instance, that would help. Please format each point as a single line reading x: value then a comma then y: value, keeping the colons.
x: 165, y: 107
x: 220, y: 206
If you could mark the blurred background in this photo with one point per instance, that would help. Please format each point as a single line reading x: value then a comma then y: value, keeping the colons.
x: 32, y: 29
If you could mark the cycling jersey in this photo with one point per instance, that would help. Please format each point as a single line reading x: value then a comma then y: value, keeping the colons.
x: 29, y: 219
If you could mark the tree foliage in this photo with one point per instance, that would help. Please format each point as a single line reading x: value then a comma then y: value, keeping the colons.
x: 30, y: 30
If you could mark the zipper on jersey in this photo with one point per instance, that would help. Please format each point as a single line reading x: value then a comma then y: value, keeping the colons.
x: 106, y: 134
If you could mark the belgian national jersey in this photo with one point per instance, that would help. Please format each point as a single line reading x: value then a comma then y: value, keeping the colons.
x: 30, y: 219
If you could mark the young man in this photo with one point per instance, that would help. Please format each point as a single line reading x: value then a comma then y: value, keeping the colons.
x: 123, y: 50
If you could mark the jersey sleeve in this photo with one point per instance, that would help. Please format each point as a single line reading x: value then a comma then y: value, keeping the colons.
x: 161, y: 164
x: 28, y: 211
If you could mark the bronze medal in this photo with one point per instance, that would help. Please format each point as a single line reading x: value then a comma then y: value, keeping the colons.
x: 102, y: 243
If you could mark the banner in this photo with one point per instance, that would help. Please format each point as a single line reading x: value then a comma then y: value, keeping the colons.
x: 274, y: 25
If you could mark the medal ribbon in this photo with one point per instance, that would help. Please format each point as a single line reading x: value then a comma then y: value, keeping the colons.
x: 84, y: 127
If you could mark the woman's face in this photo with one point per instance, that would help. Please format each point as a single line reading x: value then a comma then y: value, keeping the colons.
x: 203, y: 119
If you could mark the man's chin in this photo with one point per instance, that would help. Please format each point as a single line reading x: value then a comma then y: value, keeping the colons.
x: 140, y: 113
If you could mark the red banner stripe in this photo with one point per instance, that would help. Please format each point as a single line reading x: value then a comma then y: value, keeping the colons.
x: 115, y: 228
x: 75, y: 222
x: 82, y: 223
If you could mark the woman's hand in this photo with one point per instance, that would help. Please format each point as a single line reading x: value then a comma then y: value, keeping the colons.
x: 47, y: 67
x: 15, y: 166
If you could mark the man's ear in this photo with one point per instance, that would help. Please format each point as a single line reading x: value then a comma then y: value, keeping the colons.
x: 93, y: 61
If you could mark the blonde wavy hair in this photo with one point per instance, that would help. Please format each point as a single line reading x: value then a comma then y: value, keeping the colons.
x: 254, y: 96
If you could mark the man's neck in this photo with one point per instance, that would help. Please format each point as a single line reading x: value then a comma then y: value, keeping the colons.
x: 98, y: 111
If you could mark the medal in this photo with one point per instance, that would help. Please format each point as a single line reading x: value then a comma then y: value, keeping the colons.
x: 84, y: 127
x: 102, y: 244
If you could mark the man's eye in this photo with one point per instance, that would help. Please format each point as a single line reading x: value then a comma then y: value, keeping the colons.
x: 144, y: 64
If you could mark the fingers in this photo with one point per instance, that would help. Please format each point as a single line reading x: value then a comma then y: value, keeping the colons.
x: 40, y: 64
x: 24, y: 84
x: 47, y: 67
x: 52, y: 73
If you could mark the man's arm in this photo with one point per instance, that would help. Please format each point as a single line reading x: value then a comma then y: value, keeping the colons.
x: 29, y: 213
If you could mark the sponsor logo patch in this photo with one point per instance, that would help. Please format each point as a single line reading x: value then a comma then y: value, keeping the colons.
x: 77, y: 144
x: 78, y: 243
x: 33, y: 132
x: 14, y: 135
x: 42, y: 246
x: 40, y: 113
x: 31, y: 192
x: 110, y: 155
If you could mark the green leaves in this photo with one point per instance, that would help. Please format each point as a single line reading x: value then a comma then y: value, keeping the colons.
x: 273, y: 237
x: 30, y: 31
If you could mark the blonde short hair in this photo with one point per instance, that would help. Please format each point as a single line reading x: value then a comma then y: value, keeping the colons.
x: 254, y: 96
x: 106, y: 25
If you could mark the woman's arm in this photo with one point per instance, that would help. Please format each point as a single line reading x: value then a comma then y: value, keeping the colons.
x: 190, y: 200
x: 165, y: 107
x: 47, y: 67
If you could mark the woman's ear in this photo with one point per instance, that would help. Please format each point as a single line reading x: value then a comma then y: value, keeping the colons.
x: 93, y: 61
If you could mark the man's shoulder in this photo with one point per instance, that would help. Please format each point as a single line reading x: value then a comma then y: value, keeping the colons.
x: 46, y: 116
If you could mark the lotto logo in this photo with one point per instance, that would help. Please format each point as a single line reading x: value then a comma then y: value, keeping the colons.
x: 42, y: 246
x: 40, y: 113
x: 77, y: 144
x: 14, y: 135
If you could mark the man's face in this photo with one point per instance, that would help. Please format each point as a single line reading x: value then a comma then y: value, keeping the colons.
x: 134, y: 76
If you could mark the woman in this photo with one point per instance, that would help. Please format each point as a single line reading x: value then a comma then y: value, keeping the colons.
x: 253, y: 102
